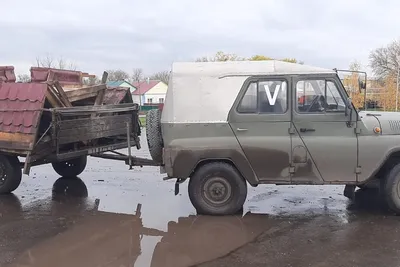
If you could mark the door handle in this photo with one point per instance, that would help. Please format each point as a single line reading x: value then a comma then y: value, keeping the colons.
x: 241, y: 129
x: 303, y: 130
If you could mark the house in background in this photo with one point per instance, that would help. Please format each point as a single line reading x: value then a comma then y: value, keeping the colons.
x: 149, y: 92
x: 121, y: 84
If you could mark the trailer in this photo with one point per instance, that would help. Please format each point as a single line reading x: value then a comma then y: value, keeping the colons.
x: 46, y: 123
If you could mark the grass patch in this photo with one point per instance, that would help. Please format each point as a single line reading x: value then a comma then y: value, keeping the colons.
x: 143, y: 121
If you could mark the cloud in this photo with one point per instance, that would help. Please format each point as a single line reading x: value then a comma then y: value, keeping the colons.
x: 151, y: 34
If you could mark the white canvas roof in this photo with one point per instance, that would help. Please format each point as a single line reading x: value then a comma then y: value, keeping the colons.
x: 205, y: 91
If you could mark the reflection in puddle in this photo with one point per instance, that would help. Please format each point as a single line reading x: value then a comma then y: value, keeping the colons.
x: 99, y: 238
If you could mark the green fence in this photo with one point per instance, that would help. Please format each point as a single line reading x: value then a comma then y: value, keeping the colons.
x: 145, y: 108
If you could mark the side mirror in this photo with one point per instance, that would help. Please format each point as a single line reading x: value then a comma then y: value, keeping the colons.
x: 348, y: 106
x: 361, y: 85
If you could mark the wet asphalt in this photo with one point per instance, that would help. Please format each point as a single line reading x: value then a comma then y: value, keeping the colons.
x: 112, y: 216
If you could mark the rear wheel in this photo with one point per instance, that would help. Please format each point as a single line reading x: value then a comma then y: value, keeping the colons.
x: 71, y: 167
x: 391, y: 189
x: 217, y: 189
x: 10, y: 174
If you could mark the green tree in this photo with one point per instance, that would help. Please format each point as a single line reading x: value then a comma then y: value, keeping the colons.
x: 220, y: 56
x: 259, y: 58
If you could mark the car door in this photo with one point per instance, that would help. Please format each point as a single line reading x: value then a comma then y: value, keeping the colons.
x: 323, y: 134
x: 260, y: 118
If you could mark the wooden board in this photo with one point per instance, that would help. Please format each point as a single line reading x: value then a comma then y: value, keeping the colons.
x: 16, y: 141
x: 92, y: 128
x: 81, y: 93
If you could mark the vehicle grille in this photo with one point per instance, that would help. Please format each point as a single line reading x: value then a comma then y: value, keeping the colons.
x: 394, y: 125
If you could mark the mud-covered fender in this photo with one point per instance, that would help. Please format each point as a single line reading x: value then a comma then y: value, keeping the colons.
x: 183, y: 162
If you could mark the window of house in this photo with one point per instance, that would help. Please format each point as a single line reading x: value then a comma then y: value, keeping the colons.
x: 265, y: 97
x: 318, y: 96
x: 150, y: 100
x: 161, y: 100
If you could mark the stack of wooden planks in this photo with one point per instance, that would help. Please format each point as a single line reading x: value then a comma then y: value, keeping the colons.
x: 66, y: 96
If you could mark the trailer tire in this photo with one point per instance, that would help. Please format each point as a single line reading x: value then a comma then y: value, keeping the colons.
x: 154, y: 135
x: 10, y: 174
x: 70, y: 168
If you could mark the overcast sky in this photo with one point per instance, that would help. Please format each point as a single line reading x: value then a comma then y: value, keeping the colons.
x: 151, y: 34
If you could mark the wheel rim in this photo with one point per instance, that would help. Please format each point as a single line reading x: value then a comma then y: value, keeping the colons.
x: 217, y: 191
x: 3, y: 175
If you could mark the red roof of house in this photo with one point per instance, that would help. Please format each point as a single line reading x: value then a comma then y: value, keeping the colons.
x: 144, y: 87
x: 20, y: 106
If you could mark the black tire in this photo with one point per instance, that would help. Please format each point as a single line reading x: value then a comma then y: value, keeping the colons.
x: 70, y: 168
x: 154, y: 135
x: 10, y: 174
x: 391, y: 189
x: 226, y: 181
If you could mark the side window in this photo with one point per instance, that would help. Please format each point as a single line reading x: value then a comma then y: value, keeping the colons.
x: 318, y: 96
x: 334, y: 101
x: 248, y: 104
x: 265, y: 97
x: 272, y: 96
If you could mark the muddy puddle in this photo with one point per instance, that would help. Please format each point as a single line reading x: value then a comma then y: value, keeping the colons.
x: 111, y: 216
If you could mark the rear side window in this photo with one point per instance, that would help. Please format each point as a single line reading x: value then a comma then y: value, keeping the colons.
x: 265, y: 97
x: 248, y: 104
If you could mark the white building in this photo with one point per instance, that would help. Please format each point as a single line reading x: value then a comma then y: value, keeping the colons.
x: 151, y: 92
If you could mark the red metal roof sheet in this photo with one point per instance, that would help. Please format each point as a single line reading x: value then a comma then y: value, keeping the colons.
x: 65, y: 77
x: 114, y: 95
x: 144, y: 87
x: 20, y: 106
x: 7, y: 74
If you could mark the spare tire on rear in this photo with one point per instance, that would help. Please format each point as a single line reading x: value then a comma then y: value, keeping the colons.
x: 154, y: 135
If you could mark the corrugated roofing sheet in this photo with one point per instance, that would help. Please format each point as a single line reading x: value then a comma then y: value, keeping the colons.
x: 20, y: 106
x: 115, y: 95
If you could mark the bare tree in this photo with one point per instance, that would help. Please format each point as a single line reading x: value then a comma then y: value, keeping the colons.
x: 384, y: 61
x: 91, y: 81
x: 23, y: 78
x: 137, y: 75
x: 117, y: 75
x: 162, y: 76
x: 48, y: 61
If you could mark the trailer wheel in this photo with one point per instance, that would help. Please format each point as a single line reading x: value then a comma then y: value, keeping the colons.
x: 71, y: 167
x: 10, y: 174
x: 154, y: 136
x: 217, y: 189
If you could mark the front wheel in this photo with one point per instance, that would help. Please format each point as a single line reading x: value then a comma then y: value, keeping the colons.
x: 217, y: 189
x: 10, y: 174
x: 391, y: 189
x: 71, y: 167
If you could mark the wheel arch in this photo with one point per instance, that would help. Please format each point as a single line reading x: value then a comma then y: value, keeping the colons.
x: 389, y: 161
x: 252, y: 180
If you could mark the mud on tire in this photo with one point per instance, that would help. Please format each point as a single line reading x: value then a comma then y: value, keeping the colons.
x: 10, y: 174
x: 217, y: 189
x: 153, y: 133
